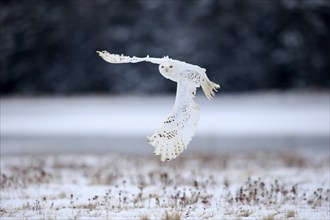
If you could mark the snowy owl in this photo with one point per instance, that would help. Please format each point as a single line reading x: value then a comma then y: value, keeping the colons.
x: 178, y: 128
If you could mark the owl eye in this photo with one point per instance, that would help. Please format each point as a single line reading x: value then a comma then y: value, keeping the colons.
x: 161, y: 66
x: 171, y: 66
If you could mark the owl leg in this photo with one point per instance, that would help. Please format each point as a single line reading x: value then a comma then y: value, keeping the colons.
x: 209, y: 87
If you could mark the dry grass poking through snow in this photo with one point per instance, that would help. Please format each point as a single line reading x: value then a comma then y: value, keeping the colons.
x: 260, y: 185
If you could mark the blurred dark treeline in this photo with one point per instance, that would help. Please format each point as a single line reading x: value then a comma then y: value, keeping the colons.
x: 48, y: 47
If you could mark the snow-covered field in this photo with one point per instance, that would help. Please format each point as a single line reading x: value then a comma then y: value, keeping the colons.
x: 254, y: 156
x: 105, y: 124
x: 233, y: 185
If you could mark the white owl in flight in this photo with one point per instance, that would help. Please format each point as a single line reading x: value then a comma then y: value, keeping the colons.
x: 178, y: 128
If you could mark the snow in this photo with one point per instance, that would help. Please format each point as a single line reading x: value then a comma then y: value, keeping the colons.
x: 268, y: 120
x: 232, y: 185
x: 225, y: 115
x: 263, y: 156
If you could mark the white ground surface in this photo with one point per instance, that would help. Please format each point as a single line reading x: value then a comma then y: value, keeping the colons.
x: 256, y: 185
x: 114, y: 124
x: 263, y: 156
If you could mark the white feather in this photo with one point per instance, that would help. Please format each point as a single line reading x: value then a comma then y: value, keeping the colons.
x: 179, y: 128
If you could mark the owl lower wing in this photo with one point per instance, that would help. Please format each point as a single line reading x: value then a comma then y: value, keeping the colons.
x: 179, y: 128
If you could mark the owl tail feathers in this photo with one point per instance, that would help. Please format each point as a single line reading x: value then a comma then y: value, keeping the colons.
x: 168, y: 149
x: 209, y: 87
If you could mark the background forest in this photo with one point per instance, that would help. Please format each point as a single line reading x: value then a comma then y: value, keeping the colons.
x: 48, y: 47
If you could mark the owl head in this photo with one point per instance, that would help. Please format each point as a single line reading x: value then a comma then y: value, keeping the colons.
x: 168, y: 67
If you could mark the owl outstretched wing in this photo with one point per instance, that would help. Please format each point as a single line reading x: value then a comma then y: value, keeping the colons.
x: 179, y: 128
x: 115, y: 58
